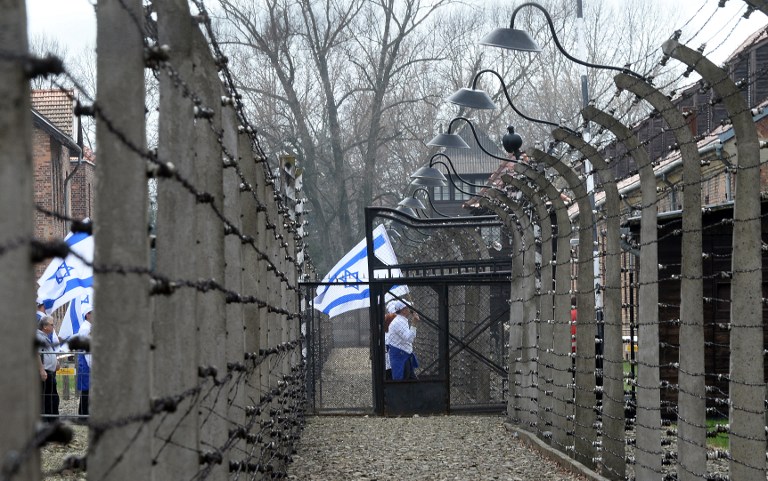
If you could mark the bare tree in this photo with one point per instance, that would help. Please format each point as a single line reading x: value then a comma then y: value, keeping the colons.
x: 354, y: 89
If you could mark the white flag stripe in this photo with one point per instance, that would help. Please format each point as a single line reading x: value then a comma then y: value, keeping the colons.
x: 352, y: 270
x: 73, y: 319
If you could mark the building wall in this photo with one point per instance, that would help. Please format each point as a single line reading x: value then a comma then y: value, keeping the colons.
x: 50, y: 160
x: 82, y: 189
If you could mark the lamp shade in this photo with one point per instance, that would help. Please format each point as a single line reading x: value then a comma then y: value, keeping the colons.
x: 511, y: 39
x: 449, y: 141
x: 406, y: 210
x: 434, y: 177
x: 428, y: 183
x: 472, y: 98
x: 412, y: 203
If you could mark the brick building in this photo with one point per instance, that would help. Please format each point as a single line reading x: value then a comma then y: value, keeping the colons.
x: 64, y: 173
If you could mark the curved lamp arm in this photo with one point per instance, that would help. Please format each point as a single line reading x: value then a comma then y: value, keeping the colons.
x: 429, y: 201
x: 509, y: 98
x: 477, y: 139
x: 560, y: 46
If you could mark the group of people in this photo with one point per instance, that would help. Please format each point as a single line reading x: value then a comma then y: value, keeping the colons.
x: 399, y: 333
x: 48, y: 363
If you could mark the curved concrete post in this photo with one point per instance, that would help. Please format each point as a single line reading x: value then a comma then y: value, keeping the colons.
x: 526, y: 368
x: 514, y: 401
x: 562, y: 378
x: 613, y: 442
x: 691, y: 402
x: 648, y: 448
x: 761, y: 5
x: 584, y: 430
x: 530, y: 300
x: 545, y: 306
x: 746, y: 380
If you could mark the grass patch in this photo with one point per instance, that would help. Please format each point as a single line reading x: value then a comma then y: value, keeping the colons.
x: 721, y: 439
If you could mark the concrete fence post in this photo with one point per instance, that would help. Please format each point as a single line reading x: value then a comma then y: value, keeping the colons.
x: 233, y: 280
x: 528, y: 366
x: 562, y: 379
x: 251, y: 213
x: 121, y: 332
x: 176, y: 443
x: 648, y: 451
x: 613, y: 442
x: 585, y: 433
x: 515, y: 353
x: 692, y: 395
x: 546, y: 296
x: 20, y: 399
x: 746, y: 379
x: 209, y: 252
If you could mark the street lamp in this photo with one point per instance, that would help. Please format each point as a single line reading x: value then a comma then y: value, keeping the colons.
x: 514, y: 39
x: 475, y: 98
x: 515, y: 141
x: 414, y: 204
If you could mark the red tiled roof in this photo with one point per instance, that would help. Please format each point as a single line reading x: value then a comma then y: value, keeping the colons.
x: 57, y: 106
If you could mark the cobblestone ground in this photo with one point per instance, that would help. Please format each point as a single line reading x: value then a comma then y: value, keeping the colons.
x: 434, y: 448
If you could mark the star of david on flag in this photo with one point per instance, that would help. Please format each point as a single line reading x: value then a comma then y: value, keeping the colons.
x: 350, y: 271
x: 65, y: 279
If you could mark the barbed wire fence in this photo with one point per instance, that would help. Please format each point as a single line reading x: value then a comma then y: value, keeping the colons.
x: 655, y: 423
x: 198, y: 369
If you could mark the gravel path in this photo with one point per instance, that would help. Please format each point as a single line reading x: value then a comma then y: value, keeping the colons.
x: 434, y: 448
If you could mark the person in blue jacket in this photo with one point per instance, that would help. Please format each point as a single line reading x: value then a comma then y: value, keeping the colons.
x: 83, y: 380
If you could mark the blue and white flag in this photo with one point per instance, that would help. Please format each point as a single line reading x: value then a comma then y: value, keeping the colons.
x: 72, y: 320
x: 352, y: 269
x: 65, y: 279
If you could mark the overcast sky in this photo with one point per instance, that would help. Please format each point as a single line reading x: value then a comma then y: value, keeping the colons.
x: 72, y: 22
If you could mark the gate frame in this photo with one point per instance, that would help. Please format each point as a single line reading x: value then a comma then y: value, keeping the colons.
x: 477, y: 272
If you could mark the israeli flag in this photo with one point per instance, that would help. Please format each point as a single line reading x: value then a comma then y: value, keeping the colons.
x: 348, y: 295
x: 70, y: 324
x: 65, y: 279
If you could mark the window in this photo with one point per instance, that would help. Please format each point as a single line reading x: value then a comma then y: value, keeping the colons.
x: 441, y: 193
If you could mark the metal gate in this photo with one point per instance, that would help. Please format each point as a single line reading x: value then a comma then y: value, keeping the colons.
x: 458, y: 275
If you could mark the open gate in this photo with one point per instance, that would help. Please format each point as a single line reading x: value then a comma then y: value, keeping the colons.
x: 458, y: 275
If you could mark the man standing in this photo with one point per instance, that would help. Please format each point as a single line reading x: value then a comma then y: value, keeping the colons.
x: 402, y: 332
x: 48, y: 364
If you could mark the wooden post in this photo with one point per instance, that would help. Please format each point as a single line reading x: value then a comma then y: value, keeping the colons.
x: 122, y: 319
x: 175, y: 358
x: 20, y: 399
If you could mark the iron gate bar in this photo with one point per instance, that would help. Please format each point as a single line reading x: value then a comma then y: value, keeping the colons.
x: 459, y: 341
x: 479, y: 328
